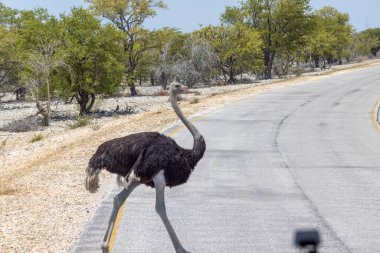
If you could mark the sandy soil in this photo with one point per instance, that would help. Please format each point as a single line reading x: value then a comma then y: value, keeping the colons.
x: 43, y: 203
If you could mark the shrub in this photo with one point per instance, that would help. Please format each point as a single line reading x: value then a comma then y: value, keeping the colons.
x: 37, y: 137
x: 194, y: 101
x: 298, y: 71
x: 2, y: 145
x: 95, y: 126
x: 80, y: 122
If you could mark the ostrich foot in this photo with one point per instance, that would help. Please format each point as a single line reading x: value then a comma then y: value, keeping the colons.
x: 105, y: 248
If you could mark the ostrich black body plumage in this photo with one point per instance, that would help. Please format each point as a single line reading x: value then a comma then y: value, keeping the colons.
x: 148, y: 158
x: 145, y: 154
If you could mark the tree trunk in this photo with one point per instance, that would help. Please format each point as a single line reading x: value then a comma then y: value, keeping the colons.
x: 86, y: 101
x: 164, y: 80
x: 45, y: 119
x: 268, y: 62
x: 132, y: 88
x: 316, y: 61
x: 44, y: 112
x: 228, y: 74
x: 152, y: 82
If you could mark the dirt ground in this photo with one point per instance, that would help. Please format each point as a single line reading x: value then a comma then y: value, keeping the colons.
x: 43, y: 203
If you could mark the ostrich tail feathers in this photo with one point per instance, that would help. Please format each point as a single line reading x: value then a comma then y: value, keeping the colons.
x: 92, y: 180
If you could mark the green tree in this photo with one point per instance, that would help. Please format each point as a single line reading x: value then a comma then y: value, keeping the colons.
x: 320, y: 44
x: 37, y: 74
x: 237, y: 47
x: 8, y: 16
x: 129, y: 16
x: 337, y: 26
x: 364, y: 45
x: 93, y: 56
x: 283, y: 24
x: 195, y: 62
x: 171, y: 50
x: 38, y: 41
x: 9, y: 64
x: 371, y: 38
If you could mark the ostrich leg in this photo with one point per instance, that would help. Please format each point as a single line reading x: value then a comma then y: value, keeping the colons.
x: 159, y: 184
x: 117, y: 203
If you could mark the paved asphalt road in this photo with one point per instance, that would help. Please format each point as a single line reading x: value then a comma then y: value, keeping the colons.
x: 306, y: 156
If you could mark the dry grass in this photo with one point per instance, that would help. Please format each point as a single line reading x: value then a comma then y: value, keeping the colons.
x: 2, y: 145
x: 43, y: 203
x: 194, y: 101
x: 80, y: 122
x: 37, y: 137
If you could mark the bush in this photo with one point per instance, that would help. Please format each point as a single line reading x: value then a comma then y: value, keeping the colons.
x: 194, y: 101
x: 95, y: 126
x: 298, y: 71
x: 2, y: 145
x: 37, y: 137
x: 80, y: 122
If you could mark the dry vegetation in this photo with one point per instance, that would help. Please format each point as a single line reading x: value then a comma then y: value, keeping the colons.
x: 43, y: 204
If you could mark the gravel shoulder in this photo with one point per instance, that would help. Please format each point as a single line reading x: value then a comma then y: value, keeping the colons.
x: 43, y: 203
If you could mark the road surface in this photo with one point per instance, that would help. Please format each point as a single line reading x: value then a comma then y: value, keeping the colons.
x: 305, y: 156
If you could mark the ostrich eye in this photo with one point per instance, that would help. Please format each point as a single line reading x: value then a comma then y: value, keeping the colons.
x: 177, y: 86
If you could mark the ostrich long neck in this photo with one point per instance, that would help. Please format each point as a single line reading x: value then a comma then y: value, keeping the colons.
x: 199, y: 143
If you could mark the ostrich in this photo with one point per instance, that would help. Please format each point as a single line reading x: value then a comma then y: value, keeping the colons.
x: 148, y: 158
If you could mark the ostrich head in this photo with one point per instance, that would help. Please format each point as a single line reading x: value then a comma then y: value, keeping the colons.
x: 176, y: 89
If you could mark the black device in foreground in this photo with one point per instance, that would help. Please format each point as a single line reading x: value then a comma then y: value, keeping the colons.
x: 307, y: 240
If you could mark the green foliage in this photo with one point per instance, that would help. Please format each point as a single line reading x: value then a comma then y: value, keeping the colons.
x: 8, y: 60
x: 194, y: 101
x: 7, y: 15
x: 8, y: 49
x: 337, y: 31
x: 171, y: 50
x: 3, y: 144
x: 94, y: 58
x: 118, y: 11
x: 281, y: 23
x: 80, y: 122
x: 38, y: 44
x: 76, y: 55
x: 37, y: 137
x: 365, y: 45
x: 128, y: 16
x: 368, y: 42
x: 238, y: 48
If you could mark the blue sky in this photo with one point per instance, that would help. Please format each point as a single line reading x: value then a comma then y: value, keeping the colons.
x: 187, y: 15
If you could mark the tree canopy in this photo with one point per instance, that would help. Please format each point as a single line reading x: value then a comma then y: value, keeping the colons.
x: 237, y: 48
x: 281, y: 23
x: 128, y: 16
x: 100, y: 50
x: 93, y: 56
